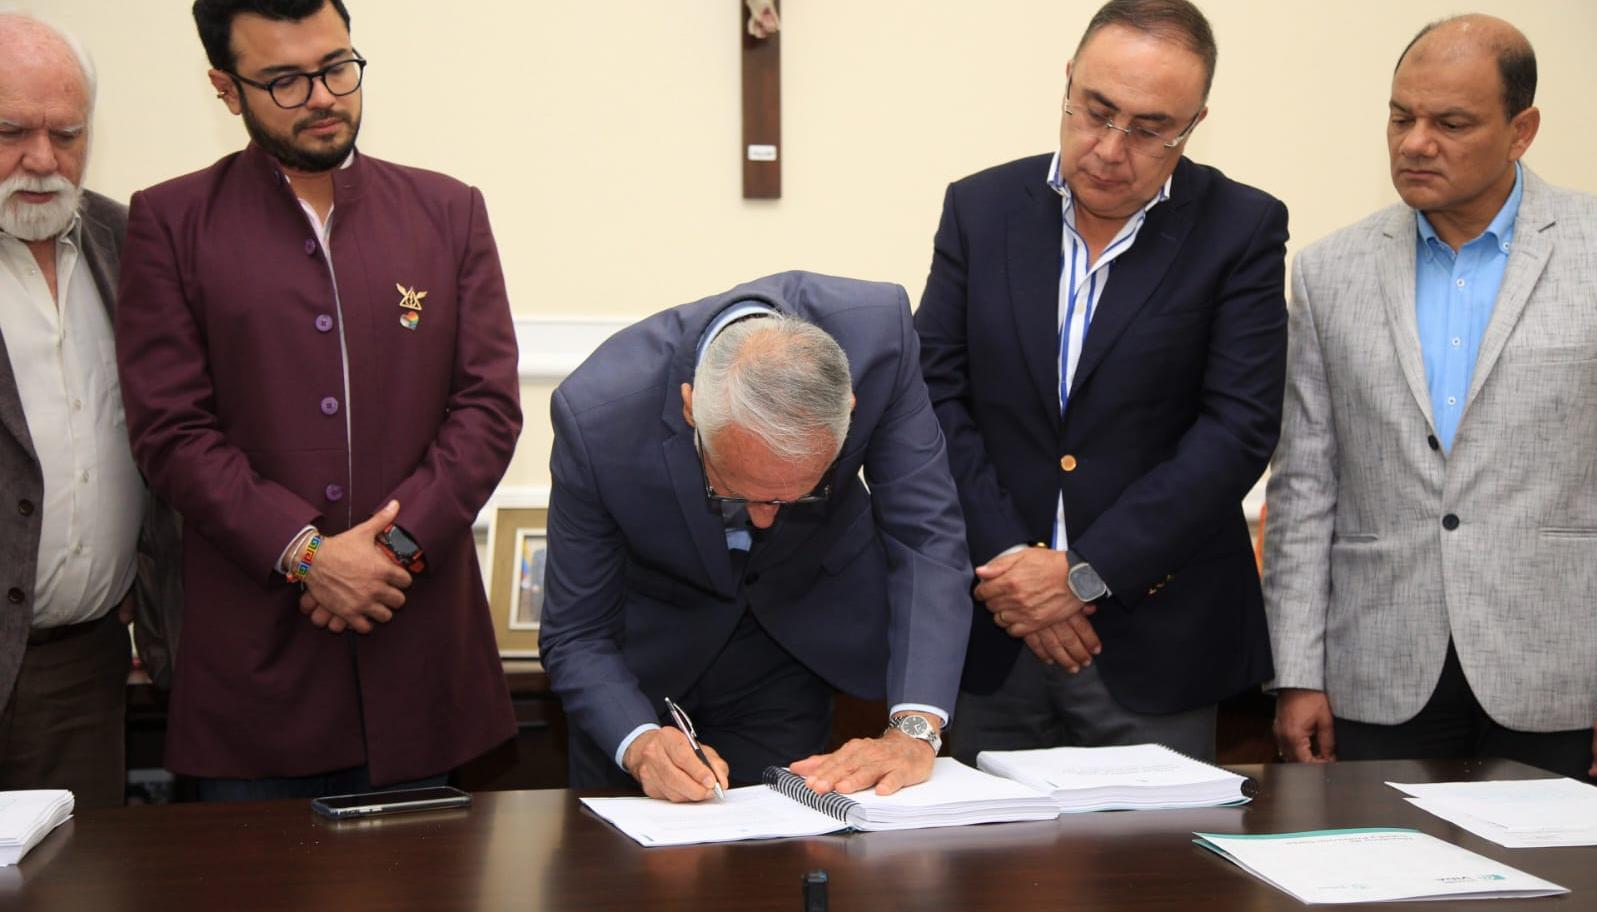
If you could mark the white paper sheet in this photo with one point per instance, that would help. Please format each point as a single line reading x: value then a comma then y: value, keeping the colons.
x: 754, y: 812
x: 1373, y: 865
x: 1517, y: 813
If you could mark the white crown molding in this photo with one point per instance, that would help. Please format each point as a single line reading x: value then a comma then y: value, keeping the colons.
x: 552, y: 347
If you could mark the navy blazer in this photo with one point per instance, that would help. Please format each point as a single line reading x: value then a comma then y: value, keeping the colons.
x: 1174, y: 412
x: 867, y: 589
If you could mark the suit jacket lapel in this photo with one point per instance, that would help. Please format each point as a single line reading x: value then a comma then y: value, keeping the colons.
x: 1033, y: 235
x: 1137, y: 272
x: 1394, y: 270
x: 1532, y: 247
x: 11, y: 416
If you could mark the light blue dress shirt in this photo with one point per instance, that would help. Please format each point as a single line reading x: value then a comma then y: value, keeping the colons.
x: 1453, y: 298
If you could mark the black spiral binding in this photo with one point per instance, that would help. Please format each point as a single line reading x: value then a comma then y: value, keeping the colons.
x: 831, y: 804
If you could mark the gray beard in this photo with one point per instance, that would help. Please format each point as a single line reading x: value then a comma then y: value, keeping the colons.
x: 37, y: 222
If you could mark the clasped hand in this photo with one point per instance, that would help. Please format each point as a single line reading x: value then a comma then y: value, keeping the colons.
x: 352, y: 583
x: 1028, y: 597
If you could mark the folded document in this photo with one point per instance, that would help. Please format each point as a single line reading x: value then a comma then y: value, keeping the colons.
x: 955, y: 795
x: 26, y: 817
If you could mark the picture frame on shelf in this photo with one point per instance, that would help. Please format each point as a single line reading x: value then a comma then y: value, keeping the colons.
x: 517, y: 549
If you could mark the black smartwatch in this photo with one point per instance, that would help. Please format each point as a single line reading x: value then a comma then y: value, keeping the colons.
x: 399, y: 546
x: 1083, y: 580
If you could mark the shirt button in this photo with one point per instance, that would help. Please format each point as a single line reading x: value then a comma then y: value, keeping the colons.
x: 329, y: 406
x: 85, y: 476
x: 334, y: 492
x: 324, y: 323
x: 77, y: 548
x: 1067, y: 462
x: 1457, y: 342
x: 1450, y: 522
x: 310, y: 246
x: 1452, y: 400
x: 77, y: 405
x: 1460, y: 283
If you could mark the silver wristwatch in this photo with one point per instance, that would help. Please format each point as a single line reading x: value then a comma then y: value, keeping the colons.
x: 1084, y: 582
x: 920, y: 728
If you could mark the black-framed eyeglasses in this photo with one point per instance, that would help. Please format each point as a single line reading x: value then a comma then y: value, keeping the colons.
x: 294, y: 90
x: 820, y: 494
x: 1141, y: 140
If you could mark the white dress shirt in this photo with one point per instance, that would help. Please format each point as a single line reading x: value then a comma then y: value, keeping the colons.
x: 64, y: 361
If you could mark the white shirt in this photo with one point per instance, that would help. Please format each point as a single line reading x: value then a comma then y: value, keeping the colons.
x: 64, y: 361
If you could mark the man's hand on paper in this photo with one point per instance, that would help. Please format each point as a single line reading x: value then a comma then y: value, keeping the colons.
x: 663, y: 762
x: 890, y: 762
x: 1303, y: 730
x: 1071, y: 643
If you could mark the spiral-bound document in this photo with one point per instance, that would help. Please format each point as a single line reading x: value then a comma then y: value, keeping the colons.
x: 955, y: 795
x: 1133, y: 777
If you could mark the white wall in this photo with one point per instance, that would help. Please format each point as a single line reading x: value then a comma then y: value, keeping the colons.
x: 605, y: 133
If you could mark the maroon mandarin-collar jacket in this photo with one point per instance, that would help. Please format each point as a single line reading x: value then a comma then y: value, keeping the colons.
x: 262, y: 394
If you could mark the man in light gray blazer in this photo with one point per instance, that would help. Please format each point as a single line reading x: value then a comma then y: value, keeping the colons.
x: 1431, y: 557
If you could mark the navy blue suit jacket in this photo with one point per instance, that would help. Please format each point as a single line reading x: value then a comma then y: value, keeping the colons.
x: 1174, y: 411
x: 867, y: 589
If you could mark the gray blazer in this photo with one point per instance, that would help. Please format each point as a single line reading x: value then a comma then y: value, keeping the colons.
x: 158, y: 593
x: 1379, y: 546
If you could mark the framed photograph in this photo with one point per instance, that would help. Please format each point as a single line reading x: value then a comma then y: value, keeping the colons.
x: 517, y: 548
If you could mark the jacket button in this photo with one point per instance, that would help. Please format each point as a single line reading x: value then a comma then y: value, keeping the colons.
x: 329, y: 406
x: 1067, y: 462
x: 15, y: 596
x: 1433, y: 442
x: 1450, y: 522
x: 334, y: 492
x: 310, y: 246
x: 25, y: 507
x: 324, y: 323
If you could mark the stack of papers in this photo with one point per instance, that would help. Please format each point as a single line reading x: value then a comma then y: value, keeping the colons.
x: 26, y: 817
x: 1138, y: 777
x: 955, y: 795
x: 1517, y: 814
x: 1372, y: 865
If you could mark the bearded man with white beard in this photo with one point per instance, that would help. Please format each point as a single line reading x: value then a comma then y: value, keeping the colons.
x: 76, y: 522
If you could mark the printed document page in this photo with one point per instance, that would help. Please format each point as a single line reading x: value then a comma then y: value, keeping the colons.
x: 753, y: 812
x: 1516, y: 813
x: 1372, y: 865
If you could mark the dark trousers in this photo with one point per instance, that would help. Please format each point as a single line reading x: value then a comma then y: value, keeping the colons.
x: 756, y: 705
x: 1452, y: 725
x: 64, y: 726
x: 1041, y: 706
x: 339, y: 782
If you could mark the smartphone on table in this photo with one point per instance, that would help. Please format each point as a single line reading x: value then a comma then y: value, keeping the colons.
x: 367, y: 804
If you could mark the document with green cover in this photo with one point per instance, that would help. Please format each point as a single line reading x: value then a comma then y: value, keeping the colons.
x: 955, y: 795
x: 1372, y: 865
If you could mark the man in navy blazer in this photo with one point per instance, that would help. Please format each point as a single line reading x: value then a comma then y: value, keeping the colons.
x: 1104, y: 336
x: 711, y: 541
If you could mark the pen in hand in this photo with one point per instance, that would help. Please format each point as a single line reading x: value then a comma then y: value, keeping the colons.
x: 685, y: 725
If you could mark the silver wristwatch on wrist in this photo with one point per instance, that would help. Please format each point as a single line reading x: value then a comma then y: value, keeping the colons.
x: 918, y: 727
x: 1084, y: 582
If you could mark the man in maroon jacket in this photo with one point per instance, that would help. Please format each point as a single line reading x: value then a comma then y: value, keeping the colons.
x: 320, y: 374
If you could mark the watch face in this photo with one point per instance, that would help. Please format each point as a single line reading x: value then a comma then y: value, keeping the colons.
x: 401, y: 543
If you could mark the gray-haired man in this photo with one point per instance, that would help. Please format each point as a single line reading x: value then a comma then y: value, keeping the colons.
x: 711, y: 541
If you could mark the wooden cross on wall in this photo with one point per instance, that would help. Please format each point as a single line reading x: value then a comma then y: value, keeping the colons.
x: 762, y: 111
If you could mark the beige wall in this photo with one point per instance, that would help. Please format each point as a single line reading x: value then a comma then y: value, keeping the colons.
x: 605, y: 132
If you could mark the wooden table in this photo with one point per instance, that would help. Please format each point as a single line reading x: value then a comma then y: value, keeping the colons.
x: 540, y: 850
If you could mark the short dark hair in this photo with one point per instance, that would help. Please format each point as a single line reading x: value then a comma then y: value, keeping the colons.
x: 214, y: 19
x: 1516, y: 66
x: 1169, y: 19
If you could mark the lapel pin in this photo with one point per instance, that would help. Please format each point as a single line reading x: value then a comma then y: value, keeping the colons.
x: 410, y: 299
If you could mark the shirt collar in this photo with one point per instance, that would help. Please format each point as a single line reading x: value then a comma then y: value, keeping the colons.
x: 1502, y: 225
x: 729, y: 316
x: 1058, y: 185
